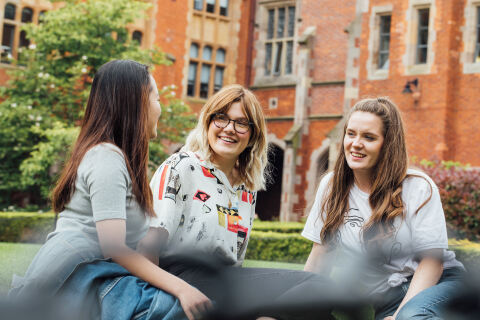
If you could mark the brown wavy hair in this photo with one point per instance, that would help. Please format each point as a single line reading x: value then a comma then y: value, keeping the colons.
x: 388, y: 175
x: 117, y: 112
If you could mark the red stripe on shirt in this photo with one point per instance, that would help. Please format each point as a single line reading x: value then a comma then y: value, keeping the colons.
x: 162, y: 182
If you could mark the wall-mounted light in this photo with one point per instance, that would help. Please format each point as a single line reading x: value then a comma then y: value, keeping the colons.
x: 413, y: 87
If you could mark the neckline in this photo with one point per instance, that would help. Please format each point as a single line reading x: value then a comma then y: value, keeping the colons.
x: 361, y: 193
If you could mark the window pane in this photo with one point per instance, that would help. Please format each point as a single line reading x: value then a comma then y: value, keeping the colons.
x: 385, y: 43
x: 198, y: 4
x: 193, y: 50
x: 289, y: 60
x: 27, y: 15
x: 224, y: 7
x: 192, y: 76
x: 291, y: 21
x: 422, y: 36
x: 7, y: 41
x: 385, y: 22
x: 271, y: 21
x: 24, y: 42
x: 280, y: 22
x: 204, y: 80
x: 207, y: 53
x: 268, y: 59
x: 218, y: 83
x: 41, y: 15
x: 211, y: 6
x: 383, y: 60
x: 220, y: 57
x: 278, y: 58
x: 10, y: 11
x: 137, y: 36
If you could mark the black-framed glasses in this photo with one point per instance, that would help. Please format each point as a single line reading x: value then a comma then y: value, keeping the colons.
x: 221, y: 120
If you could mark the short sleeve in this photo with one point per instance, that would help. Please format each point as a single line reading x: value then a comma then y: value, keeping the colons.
x: 106, y: 176
x: 428, y: 225
x: 252, y: 216
x: 314, y: 223
x: 167, y: 186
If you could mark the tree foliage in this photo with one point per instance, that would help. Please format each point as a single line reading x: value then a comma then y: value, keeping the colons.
x: 45, y: 97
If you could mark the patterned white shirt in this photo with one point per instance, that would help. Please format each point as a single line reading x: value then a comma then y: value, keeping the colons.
x: 201, y: 211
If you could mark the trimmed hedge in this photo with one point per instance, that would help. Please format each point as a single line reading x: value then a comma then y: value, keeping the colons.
x: 274, y: 246
x: 25, y: 226
x: 275, y: 226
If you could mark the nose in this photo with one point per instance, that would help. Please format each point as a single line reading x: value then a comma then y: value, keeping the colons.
x: 230, y: 126
x: 357, y: 143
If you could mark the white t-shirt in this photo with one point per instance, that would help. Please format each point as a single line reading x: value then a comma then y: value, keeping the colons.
x: 201, y: 211
x: 417, y: 232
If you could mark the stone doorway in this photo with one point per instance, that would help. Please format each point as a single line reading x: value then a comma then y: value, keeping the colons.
x: 268, y: 201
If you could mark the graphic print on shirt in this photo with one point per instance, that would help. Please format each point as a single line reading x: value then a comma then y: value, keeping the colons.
x: 176, y: 159
x: 241, y: 240
x: 203, y: 232
x: 206, y: 209
x: 200, y: 195
x: 231, y: 216
x: 352, y: 219
x: 209, y: 173
x: 173, y: 185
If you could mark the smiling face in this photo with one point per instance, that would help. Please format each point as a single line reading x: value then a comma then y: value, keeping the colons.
x: 154, y: 109
x: 226, y: 143
x: 363, y: 142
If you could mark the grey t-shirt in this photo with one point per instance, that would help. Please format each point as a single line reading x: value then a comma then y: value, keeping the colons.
x: 103, y: 190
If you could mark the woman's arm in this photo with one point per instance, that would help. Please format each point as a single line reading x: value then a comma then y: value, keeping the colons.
x: 153, y: 243
x: 315, y: 261
x: 111, y: 236
x: 427, y: 274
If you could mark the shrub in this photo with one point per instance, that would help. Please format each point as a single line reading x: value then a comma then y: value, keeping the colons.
x: 459, y: 188
x: 275, y: 226
x: 25, y: 226
x: 272, y: 246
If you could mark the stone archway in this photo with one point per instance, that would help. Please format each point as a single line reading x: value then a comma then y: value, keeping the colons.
x: 268, y: 201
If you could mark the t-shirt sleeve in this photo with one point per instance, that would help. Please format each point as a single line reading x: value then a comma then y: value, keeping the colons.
x: 314, y: 223
x: 428, y: 226
x: 106, y: 176
x: 168, y: 185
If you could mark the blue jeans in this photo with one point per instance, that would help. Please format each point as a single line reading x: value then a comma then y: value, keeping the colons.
x: 428, y: 304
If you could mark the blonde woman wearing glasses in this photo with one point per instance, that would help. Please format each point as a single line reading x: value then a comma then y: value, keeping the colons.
x: 204, y: 198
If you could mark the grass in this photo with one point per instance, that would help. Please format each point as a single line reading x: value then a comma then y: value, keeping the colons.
x: 15, y: 258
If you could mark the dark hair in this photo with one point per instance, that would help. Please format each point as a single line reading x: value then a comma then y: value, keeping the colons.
x: 117, y: 111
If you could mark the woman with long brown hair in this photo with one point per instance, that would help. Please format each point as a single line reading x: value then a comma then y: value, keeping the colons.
x: 373, y: 206
x: 104, y: 206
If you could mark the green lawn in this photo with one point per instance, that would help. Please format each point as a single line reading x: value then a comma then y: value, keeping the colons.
x: 15, y: 258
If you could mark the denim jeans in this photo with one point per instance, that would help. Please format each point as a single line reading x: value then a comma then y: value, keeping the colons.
x: 428, y: 304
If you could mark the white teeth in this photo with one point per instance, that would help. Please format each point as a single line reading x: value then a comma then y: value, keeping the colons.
x: 227, y: 139
x: 358, y: 155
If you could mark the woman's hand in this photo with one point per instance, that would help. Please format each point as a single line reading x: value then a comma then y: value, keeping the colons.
x: 194, y: 303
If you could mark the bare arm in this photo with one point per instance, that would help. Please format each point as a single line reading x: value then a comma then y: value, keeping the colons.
x: 153, y: 243
x: 315, y: 261
x: 111, y: 235
x: 427, y: 274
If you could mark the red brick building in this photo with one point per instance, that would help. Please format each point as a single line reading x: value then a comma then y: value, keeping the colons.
x: 308, y: 61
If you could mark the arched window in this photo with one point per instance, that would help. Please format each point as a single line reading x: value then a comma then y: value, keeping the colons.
x: 10, y: 10
x: 27, y: 15
x: 137, y: 36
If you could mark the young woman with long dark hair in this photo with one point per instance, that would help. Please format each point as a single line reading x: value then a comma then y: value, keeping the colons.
x: 373, y: 206
x: 104, y: 206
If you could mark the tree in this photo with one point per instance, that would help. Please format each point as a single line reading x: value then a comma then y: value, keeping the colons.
x: 44, y: 100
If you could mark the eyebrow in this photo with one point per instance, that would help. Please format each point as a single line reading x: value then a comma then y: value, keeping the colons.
x: 365, y: 132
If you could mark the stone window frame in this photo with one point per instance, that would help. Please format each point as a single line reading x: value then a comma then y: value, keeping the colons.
x: 374, y: 73
x: 470, y: 37
x: 411, y: 39
x: 262, y: 24
x: 200, y: 61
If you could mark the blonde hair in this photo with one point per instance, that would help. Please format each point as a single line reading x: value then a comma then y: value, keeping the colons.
x: 253, y: 160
